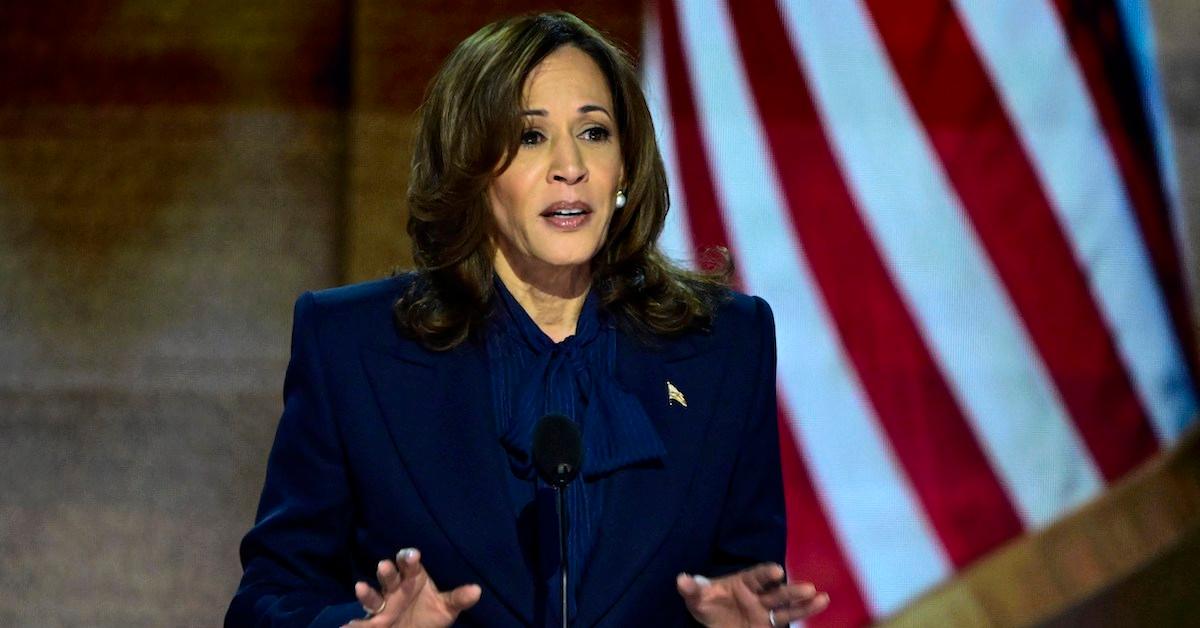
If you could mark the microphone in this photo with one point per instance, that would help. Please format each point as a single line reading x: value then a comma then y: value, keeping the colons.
x: 557, y: 450
x: 557, y: 456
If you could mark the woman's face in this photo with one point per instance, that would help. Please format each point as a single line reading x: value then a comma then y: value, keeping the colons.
x: 552, y: 205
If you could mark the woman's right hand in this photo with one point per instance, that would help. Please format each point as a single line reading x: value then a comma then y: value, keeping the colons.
x: 410, y: 599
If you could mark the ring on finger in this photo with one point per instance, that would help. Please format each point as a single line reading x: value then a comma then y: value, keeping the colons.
x: 373, y: 612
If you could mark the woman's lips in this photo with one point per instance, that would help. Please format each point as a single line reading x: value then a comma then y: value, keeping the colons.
x: 567, y: 215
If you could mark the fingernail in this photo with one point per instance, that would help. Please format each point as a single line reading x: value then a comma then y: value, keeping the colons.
x: 702, y: 581
x: 403, y: 555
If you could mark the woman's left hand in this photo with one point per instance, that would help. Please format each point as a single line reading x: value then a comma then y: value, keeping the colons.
x: 757, y: 597
x: 409, y: 598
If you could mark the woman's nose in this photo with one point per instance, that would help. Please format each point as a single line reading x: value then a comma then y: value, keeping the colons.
x: 568, y: 166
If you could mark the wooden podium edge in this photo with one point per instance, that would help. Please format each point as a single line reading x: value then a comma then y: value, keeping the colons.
x: 1033, y: 578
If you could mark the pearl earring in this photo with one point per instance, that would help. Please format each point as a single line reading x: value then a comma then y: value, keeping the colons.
x: 620, y: 199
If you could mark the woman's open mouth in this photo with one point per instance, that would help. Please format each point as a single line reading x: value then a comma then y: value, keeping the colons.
x: 567, y: 215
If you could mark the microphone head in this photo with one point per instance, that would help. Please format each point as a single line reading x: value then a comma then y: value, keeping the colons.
x: 557, y: 449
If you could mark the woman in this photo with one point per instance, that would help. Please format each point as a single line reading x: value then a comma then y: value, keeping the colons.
x: 536, y: 196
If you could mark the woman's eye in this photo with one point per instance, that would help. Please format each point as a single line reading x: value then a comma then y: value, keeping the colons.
x: 597, y: 134
x: 531, y: 138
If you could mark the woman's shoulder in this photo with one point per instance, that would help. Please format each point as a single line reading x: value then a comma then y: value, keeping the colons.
x: 367, y: 294
x: 740, y: 315
x: 740, y: 310
x: 737, y: 320
x: 359, y: 309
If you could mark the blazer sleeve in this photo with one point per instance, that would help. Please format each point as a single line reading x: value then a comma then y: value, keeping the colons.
x: 296, y: 558
x: 753, y: 526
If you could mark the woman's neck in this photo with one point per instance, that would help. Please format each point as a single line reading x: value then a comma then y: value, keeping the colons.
x: 552, y: 296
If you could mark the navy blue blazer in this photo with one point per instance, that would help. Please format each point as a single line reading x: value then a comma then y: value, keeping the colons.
x: 384, y: 445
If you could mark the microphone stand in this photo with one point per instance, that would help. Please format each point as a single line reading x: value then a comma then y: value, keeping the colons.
x: 558, y: 455
x: 560, y: 506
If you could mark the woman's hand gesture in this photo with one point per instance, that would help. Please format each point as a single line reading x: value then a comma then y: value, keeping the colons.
x: 410, y: 599
x: 757, y: 597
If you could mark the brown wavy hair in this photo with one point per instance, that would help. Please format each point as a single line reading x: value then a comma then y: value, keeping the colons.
x: 469, y: 129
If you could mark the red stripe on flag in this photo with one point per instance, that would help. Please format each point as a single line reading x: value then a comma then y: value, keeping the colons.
x: 927, y: 430
x: 814, y: 553
x: 983, y: 156
x: 1100, y: 45
x: 704, y: 217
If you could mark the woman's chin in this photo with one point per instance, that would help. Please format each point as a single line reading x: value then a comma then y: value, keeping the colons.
x: 564, y: 259
x: 565, y: 264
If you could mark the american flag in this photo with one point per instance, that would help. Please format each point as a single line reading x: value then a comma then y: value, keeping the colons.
x: 960, y: 212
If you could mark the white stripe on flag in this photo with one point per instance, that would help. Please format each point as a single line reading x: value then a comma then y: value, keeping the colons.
x: 873, y: 509
x: 1033, y: 67
x: 941, y: 268
x: 676, y: 239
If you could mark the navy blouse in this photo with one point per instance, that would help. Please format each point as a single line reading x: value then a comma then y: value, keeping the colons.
x: 533, y: 376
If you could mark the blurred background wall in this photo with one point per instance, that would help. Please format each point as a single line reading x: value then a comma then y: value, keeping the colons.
x: 172, y: 175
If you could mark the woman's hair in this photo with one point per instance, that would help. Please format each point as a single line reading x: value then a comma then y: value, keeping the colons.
x: 469, y: 129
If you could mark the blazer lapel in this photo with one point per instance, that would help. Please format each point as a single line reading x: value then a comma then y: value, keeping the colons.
x: 438, y: 411
x: 643, y: 503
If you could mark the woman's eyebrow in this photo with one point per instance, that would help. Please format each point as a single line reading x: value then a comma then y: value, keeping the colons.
x: 583, y: 109
x: 591, y: 108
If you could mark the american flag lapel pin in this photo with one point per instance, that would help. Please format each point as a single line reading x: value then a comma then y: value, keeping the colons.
x: 674, y: 396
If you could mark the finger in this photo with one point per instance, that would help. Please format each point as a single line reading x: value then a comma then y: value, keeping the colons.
x: 462, y: 598
x: 788, y: 595
x: 413, y: 577
x: 762, y: 578
x: 408, y: 561
x: 789, y: 614
x: 389, y: 578
x: 370, y: 599
x: 817, y: 604
x: 691, y: 587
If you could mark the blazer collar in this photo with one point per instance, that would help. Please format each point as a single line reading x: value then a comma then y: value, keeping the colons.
x: 438, y: 410
x: 440, y: 420
x: 644, y: 502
